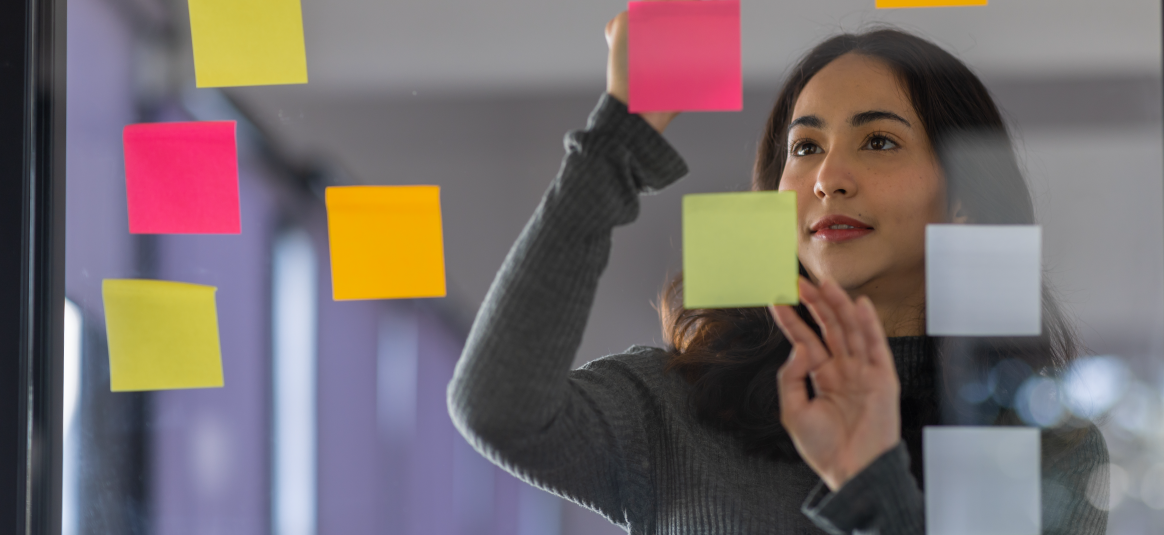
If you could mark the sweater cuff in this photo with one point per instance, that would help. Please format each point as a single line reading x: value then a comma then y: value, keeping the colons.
x: 883, y: 496
x: 656, y: 163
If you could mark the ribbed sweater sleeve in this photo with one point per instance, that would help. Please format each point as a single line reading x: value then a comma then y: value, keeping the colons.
x: 884, y: 498
x: 881, y: 499
x: 512, y: 394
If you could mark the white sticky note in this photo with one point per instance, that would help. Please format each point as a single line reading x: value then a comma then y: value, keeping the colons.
x: 983, y: 280
x: 982, y: 481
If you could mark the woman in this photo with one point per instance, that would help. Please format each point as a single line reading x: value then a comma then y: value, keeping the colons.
x: 740, y: 427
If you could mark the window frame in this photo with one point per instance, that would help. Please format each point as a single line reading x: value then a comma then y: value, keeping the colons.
x: 32, y: 180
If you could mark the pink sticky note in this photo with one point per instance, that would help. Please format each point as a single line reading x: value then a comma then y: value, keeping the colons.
x: 684, y: 56
x: 182, y: 178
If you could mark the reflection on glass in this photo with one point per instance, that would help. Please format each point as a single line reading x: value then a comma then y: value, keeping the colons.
x: 397, y: 349
x: 71, y: 395
x: 293, y: 485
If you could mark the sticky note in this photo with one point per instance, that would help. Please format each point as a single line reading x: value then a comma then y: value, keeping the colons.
x: 684, y: 56
x: 162, y: 335
x: 739, y: 249
x: 182, y: 178
x: 894, y: 4
x: 982, y: 480
x: 247, y: 42
x: 386, y: 242
x: 983, y: 280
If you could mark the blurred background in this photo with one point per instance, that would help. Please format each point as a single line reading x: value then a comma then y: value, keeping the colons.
x: 475, y: 97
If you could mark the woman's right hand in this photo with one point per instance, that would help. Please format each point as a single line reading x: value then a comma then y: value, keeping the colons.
x: 616, y: 77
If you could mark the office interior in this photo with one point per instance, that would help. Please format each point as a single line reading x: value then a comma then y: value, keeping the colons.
x: 475, y: 97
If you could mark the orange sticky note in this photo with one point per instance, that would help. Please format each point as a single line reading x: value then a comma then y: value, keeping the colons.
x: 386, y: 242
x: 896, y: 4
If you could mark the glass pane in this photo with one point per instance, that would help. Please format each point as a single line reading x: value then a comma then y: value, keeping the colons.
x: 334, y: 416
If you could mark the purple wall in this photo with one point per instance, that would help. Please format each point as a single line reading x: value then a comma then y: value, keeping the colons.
x: 210, y: 445
x: 100, y: 103
x: 349, y: 492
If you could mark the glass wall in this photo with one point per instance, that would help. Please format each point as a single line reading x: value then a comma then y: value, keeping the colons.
x: 333, y: 417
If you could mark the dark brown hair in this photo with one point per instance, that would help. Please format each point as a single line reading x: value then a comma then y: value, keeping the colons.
x: 730, y: 356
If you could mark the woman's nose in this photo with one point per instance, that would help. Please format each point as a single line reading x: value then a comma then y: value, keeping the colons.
x: 834, y: 178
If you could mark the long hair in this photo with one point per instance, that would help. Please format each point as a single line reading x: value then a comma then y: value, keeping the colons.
x: 731, y: 356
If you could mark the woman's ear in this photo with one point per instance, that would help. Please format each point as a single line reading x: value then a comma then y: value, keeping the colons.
x: 958, y: 215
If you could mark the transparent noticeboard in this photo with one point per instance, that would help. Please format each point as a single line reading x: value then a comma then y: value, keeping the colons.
x: 320, y: 415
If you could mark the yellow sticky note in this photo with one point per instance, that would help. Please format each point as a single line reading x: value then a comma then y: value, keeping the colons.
x: 247, y: 42
x: 739, y: 249
x: 162, y: 335
x: 386, y: 242
x: 894, y: 4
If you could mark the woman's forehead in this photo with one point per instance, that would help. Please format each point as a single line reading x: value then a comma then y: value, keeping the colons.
x: 850, y: 85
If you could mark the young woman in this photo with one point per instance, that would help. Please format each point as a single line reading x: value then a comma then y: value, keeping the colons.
x: 740, y: 426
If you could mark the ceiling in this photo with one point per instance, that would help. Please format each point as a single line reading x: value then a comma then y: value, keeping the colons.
x: 377, y: 46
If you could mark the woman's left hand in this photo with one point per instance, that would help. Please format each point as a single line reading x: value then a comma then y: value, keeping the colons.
x: 854, y: 416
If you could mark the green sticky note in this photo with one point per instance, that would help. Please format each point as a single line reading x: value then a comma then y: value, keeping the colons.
x: 739, y: 249
x: 162, y: 335
x: 247, y: 42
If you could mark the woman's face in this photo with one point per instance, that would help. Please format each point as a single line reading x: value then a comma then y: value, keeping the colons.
x: 866, y: 179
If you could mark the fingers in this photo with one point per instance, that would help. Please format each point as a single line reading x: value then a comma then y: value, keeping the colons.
x: 874, y: 333
x: 807, y: 355
x: 847, y: 315
x: 615, y: 27
x: 791, y: 387
x: 822, y: 311
x: 800, y: 334
x: 616, y: 61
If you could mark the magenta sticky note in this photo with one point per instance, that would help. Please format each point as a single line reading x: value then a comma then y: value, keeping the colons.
x: 684, y: 56
x: 182, y: 178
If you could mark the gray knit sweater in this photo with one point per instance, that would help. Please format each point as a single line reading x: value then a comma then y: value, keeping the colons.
x: 618, y: 435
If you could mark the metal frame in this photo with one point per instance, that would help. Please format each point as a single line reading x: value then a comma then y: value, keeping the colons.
x: 32, y: 167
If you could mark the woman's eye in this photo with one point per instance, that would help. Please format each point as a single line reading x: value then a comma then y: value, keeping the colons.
x: 880, y: 143
x: 806, y: 149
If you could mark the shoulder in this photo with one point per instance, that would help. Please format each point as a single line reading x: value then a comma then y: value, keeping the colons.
x: 1074, y: 445
x: 641, y: 363
x: 640, y: 371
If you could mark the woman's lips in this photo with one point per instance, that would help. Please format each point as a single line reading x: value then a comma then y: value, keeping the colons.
x: 840, y: 235
x: 839, y: 228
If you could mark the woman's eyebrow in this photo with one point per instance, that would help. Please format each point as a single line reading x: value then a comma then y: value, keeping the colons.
x: 810, y: 121
x: 867, y: 117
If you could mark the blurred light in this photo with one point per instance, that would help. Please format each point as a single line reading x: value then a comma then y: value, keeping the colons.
x: 293, y: 481
x: 1038, y: 403
x: 1115, y: 479
x: 210, y: 455
x: 1137, y: 410
x: 398, y: 347
x: 974, y: 392
x: 1094, y: 384
x: 71, y: 396
x: 1152, y: 487
x: 1005, y: 379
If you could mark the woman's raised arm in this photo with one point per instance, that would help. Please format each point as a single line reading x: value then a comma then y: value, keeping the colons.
x: 512, y: 394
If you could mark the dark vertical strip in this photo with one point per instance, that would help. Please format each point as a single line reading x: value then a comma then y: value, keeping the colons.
x: 47, y: 276
x: 32, y: 96
x: 13, y: 174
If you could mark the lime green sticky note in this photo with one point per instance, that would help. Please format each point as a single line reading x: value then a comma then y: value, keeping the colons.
x: 739, y: 249
x: 162, y: 335
x: 247, y: 42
